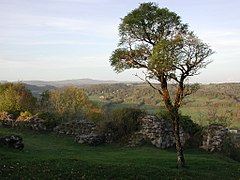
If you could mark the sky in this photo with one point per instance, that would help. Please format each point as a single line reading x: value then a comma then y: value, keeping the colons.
x: 73, y: 39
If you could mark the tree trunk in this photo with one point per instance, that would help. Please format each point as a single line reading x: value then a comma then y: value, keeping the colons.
x: 173, y: 110
x: 176, y: 132
x: 179, y: 149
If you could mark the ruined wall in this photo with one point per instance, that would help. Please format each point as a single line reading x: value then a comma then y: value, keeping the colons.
x: 156, y: 131
x: 213, y: 137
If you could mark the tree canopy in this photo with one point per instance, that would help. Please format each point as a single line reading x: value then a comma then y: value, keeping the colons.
x: 15, y: 97
x: 156, y: 40
x: 69, y: 103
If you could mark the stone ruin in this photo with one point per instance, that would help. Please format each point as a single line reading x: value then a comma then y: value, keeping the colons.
x: 76, y: 127
x: 213, y: 137
x: 6, y: 119
x: 85, y: 132
x: 31, y: 122
x: 12, y: 141
x: 157, y: 132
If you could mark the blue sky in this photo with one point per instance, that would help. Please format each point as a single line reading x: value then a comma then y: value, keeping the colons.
x: 73, y: 39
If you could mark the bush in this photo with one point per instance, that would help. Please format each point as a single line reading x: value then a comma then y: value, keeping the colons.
x: 95, y: 117
x: 231, y: 149
x: 50, y: 119
x: 25, y: 114
x: 188, y: 125
x: 186, y: 122
x: 122, y: 122
x: 15, y: 97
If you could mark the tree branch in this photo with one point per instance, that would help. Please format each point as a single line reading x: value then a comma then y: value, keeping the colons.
x: 146, y: 80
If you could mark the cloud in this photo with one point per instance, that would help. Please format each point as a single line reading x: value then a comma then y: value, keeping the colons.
x: 31, y: 42
x: 37, y: 25
x: 54, y: 62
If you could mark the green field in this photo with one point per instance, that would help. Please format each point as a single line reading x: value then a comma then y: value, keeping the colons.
x: 51, y: 156
x: 223, y: 98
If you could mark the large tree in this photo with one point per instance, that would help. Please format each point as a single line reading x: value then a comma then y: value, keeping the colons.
x: 156, y: 40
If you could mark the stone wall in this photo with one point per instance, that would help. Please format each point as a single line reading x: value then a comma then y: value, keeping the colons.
x: 6, y: 119
x: 31, y: 122
x: 213, y: 137
x: 85, y: 132
x: 156, y: 131
x: 76, y: 127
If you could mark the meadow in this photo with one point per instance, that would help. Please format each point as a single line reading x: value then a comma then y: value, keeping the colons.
x: 51, y: 156
x: 210, y: 101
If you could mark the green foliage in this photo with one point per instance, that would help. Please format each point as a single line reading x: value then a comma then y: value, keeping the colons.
x: 15, y: 97
x: 122, y: 122
x: 194, y: 105
x: 193, y: 129
x: 25, y: 114
x: 141, y: 30
x: 95, y: 116
x: 188, y: 125
x: 185, y: 122
x: 51, y: 120
x: 231, y: 149
x: 216, y: 117
x: 69, y: 103
x: 156, y: 40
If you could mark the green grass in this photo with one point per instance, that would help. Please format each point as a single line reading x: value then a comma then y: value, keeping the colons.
x: 51, y: 156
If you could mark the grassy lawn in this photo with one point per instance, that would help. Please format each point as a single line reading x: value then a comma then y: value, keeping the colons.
x: 51, y: 156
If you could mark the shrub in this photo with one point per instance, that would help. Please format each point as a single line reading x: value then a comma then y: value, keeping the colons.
x: 70, y: 103
x: 50, y: 119
x: 231, y: 149
x: 185, y: 122
x: 15, y: 97
x: 95, y: 117
x: 188, y: 125
x: 25, y: 114
x: 122, y: 122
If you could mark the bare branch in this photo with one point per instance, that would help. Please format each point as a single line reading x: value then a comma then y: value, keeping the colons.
x: 146, y: 80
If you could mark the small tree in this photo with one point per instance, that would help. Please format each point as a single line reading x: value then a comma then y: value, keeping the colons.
x: 15, y: 97
x: 69, y: 103
x: 156, y: 40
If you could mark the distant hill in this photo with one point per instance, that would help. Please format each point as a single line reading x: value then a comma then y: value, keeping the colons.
x: 74, y: 82
x: 37, y: 87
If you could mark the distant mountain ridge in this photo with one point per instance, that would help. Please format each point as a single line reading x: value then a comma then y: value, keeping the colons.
x: 73, y: 82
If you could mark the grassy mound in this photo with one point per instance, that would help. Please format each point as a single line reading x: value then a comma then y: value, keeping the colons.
x: 51, y: 156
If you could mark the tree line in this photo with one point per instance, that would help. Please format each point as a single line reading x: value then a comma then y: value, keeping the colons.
x: 66, y: 104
